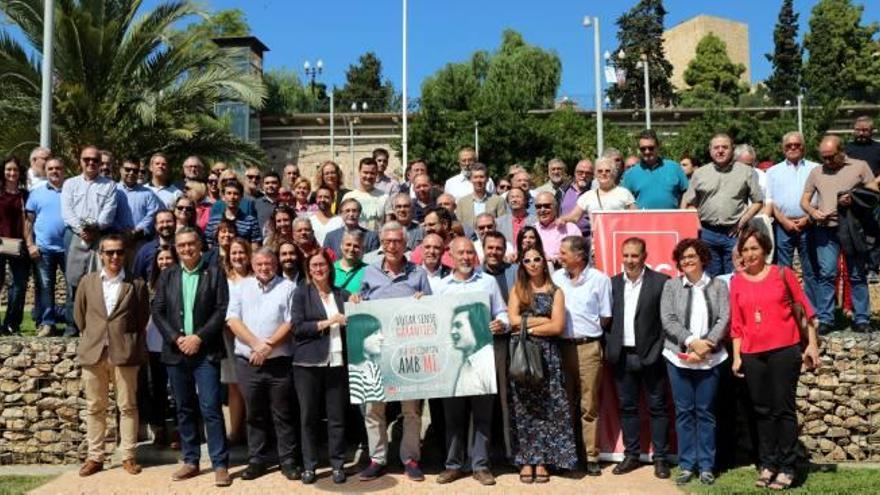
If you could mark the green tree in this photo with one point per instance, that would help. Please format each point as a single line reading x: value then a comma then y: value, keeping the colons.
x: 130, y: 84
x: 287, y: 94
x: 229, y: 22
x: 838, y: 45
x: 787, y: 57
x: 364, y: 83
x: 641, y: 33
x: 713, y: 78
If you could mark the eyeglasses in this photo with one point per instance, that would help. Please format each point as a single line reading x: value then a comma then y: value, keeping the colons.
x: 536, y: 259
x: 113, y: 252
x: 485, y: 227
x: 402, y: 207
x: 187, y: 209
x: 543, y: 206
x: 600, y: 172
x: 392, y: 241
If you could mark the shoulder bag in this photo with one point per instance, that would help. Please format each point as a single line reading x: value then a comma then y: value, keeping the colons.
x: 526, y: 363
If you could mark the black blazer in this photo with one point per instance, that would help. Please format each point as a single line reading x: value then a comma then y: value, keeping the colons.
x: 648, y: 327
x: 311, y: 347
x: 209, y: 312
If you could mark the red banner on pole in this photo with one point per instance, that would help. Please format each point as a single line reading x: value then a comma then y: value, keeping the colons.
x: 661, y: 230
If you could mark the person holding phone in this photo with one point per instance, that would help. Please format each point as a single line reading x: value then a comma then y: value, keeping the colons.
x: 695, y: 314
x: 767, y: 341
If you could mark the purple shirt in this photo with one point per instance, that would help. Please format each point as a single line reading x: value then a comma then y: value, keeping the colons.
x: 551, y: 237
x: 569, y: 201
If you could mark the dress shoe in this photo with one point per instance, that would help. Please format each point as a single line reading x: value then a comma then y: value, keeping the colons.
x: 308, y: 477
x: 594, y: 469
x: 825, y: 329
x: 862, y: 328
x: 253, y: 471
x: 131, y: 466
x: 91, y: 467
x: 450, y: 475
x: 339, y: 476
x: 185, y: 472
x: 484, y: 476
x: 292, y: 471
x: 661, y: 469
x: 627, y: 465
x: 221, y: 477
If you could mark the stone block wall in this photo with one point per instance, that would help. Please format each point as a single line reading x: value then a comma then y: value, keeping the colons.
x: 42, y: 410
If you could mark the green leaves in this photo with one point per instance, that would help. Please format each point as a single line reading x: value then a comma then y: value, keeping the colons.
x: 784, y: 83
x: 713, y: 78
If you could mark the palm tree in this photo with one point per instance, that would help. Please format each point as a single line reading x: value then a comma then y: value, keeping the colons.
x: 124, y: 81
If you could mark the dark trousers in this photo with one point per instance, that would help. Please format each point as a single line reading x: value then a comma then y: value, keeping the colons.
x: 629, y: 377
x: 318, y: 386
x: 456, y: 411
x: 19, y: 266
x: 195, y: 383
x: 152, y: 392
x: 772, y: 377
x: 266, y: 390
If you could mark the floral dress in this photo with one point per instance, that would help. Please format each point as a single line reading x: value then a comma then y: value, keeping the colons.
x: 541, y: 417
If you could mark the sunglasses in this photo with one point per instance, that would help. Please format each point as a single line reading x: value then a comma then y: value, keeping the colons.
x: 793, y: 146
x: 185, y: 208
x: 113, y: 252
x: 212, y: 181
x: 543, y: 206
x: 646, y: 148
x: 536, y: 259
x: 503, y: 187
x: 252, y: 177
x: 130, y: 170
x: 90, y: 159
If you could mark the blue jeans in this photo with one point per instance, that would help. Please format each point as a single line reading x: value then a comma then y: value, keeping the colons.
x: 187, y: 377
x: 47, y: 273
x: 786, y: 243
x: 19, y: 266
x: 721, y: 245
x: 827, y: 249
x: 694, y: 392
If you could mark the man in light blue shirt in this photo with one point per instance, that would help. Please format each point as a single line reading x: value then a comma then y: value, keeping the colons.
x: 160, y: 180
x: 466, y: 277
x: 47, y: 249
x: 785, y: 186
x: 88, y: 206
x: 136, y: 206
x: 656, y: 183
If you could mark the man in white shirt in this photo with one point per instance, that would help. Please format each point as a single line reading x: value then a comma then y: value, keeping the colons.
x: 259, y: 315
x: 587, y: 312
x: 371, y: 199
x: 459, y: 185
x: 475, y: 376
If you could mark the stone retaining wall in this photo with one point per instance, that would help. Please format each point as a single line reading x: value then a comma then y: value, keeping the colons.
x: 42, y: 410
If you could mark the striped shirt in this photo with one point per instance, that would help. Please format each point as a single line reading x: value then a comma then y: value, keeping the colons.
x: 246, y: 226
x: 365, y: 383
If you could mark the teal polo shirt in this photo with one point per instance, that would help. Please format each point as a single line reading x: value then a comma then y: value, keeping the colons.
x: 658, y: 188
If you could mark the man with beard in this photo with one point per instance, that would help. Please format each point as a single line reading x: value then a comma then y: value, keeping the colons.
x: 351, y: 214
x: 484, y: 224
x: 863, y: 146
x: 403, y: 209
x: 323, y: 220
x: 193, y: 169
x: 288, y: 260
x: 437, y: 221
x: 583, y: 179
x: 164, y: 225
x: 556, y: 183
x: 305, y: 241
x: 471, y: 400
x: 384, y: 182
x: 371, y: 199
x: 266, y: 203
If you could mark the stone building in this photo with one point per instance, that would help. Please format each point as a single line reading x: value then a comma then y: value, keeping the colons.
x: 680, y: 43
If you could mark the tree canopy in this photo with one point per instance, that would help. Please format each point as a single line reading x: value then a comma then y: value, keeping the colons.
x: 784, y: 84
x: 713, y: 78
x: 364, y: 83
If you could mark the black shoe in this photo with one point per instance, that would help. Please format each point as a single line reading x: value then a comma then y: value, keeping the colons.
x: 824, y: 329
x: 292, y: 472
x: 253, y: 471
x: 661, y: 469
x: 862, y: 328
x: 308, y: 477
x: 627, y: 465
x: 339, y: 476
x: 594, y: 469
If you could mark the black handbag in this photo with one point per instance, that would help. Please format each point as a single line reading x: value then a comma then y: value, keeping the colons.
x: 526, y: 363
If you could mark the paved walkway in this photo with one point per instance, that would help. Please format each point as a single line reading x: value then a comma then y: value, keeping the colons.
x: 157, y: 480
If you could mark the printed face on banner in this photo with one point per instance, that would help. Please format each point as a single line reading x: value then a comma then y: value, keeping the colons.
x: 407, y: 348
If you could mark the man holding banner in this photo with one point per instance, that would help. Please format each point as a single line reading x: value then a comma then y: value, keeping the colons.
x: 393, y: 276
x: 472, y: 376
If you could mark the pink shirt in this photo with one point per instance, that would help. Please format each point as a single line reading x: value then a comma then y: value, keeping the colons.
x: 551, y: 237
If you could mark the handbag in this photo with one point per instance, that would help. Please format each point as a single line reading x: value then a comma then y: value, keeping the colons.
x: 797, y: 310
x: 526, y: 363
x: 11, y: 247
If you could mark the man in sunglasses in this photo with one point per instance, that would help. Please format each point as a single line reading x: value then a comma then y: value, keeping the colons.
x: 551, y: 233
x: 112, y: 309
x: 136, y: 207
x: 88, y: 207
x: 656, y: 182
x: 833, y: 185
x: 785, y: 185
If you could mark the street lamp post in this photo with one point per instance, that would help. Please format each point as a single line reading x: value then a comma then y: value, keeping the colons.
x: 643, y: 64
x: 312, y: 72
x: 404, y: 140
x: 477, y: 138
x: 46, y: 95
x: 351, y: 121
x: 800, y: 113
x: 600, y: 128
x: 332, y: 124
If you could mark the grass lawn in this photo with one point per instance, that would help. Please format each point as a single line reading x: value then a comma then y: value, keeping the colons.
x: 843, y: 480
x: 28, y: 327
x: 15, y: 485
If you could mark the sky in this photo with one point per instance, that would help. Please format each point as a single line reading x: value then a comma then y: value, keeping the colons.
x: 442, y: 31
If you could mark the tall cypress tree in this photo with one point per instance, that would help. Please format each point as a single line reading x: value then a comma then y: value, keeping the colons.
x: 787, y: 57
x: 641, y: 32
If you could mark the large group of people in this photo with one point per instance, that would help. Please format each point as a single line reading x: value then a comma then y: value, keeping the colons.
x: 179, y: 291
